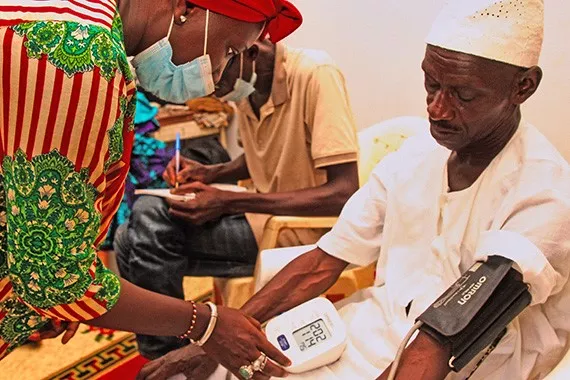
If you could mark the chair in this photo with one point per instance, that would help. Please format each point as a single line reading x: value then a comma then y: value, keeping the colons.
x: 375, y: 142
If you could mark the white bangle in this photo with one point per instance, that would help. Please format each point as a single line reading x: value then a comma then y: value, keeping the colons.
x: 210, y: 328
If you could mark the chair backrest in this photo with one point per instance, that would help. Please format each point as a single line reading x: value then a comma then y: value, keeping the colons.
x: 385, y: 137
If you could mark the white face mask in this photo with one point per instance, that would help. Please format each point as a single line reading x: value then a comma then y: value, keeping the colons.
x: 242, y: 89
x: 158, y: 75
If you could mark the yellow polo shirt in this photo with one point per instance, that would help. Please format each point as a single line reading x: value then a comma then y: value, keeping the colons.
x: 306, y: 125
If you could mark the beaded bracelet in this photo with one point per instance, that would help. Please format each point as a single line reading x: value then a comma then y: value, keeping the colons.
x: 193, y: 323
x: 210, y: 328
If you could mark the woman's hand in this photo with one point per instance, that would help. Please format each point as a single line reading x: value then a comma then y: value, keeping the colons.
x: 238, y: 341
x: 53, y: 329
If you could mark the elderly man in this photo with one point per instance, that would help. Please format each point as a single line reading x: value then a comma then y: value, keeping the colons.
x: 484, y: 183
x: 299, y: 139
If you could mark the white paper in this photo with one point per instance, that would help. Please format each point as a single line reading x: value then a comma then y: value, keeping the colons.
x: 165, y: 193
x: 229, y: 187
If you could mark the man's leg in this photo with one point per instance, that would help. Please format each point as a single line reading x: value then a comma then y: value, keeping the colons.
x: 155, y: 251
x: 225, y: 248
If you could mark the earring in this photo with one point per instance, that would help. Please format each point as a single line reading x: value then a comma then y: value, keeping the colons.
x: 183, y: 19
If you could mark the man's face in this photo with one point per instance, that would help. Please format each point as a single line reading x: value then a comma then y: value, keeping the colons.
x: 232, y: 72
x: 468, y: 97
x: 226, y: 39
x: 229, y: 77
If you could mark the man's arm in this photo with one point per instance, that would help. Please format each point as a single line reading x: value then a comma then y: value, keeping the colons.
x: 305, y: 278
x: 530, y: 228
x: 423, y: 359
x: 324, y: 200
x: 230, y: 171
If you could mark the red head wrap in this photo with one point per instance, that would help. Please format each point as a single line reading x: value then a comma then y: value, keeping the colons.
x: 281, y: 17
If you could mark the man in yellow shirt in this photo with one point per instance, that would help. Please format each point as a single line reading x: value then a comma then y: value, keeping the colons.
x: 300, y: 149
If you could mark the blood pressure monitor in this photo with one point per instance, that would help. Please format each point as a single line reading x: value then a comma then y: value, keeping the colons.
x: 312, y: 335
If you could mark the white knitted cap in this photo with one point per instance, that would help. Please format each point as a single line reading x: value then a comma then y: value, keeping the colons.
x: 509, y: 31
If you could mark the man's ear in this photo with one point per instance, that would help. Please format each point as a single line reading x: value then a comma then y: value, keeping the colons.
x: 527, y: 83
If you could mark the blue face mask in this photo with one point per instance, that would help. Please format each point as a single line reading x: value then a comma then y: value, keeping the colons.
x: 157, y: 74
x: 242, y: 89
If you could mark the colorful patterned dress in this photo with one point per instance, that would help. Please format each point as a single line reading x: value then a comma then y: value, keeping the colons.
x: 66, y: 109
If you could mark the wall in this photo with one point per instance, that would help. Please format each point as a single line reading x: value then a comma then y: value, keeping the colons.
x: 379, y: 46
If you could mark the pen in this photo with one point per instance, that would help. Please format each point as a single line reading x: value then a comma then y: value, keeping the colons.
x: 177, y: 157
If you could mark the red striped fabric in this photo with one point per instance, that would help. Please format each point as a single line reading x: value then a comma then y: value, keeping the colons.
x: 3, y: 349
x: 54, y: 312
x: 6, y: 74
x: 105, y: 12
x: 87, y: 309
x: 60, y: 11
x: 5, y: 290
x: 100, y: 303
x: 88, y: 125
x: 70, y: 121
x: 21, y: 96
x: 92, y: 270
x: 37, y: 105
x: 72, y: 313
x: 53, y: 111
x: 105, y: 120
x: 110, y: 5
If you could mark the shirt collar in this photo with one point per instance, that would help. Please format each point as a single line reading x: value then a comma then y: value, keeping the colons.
x: 279, y: 87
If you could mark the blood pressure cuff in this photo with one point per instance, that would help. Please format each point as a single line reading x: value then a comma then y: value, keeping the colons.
x: 474, y: 312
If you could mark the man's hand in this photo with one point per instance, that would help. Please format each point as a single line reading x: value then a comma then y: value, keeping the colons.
x: 209, y: 204
x: 191, y: 361
x: 190, y: 171
x: 55, y: 328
